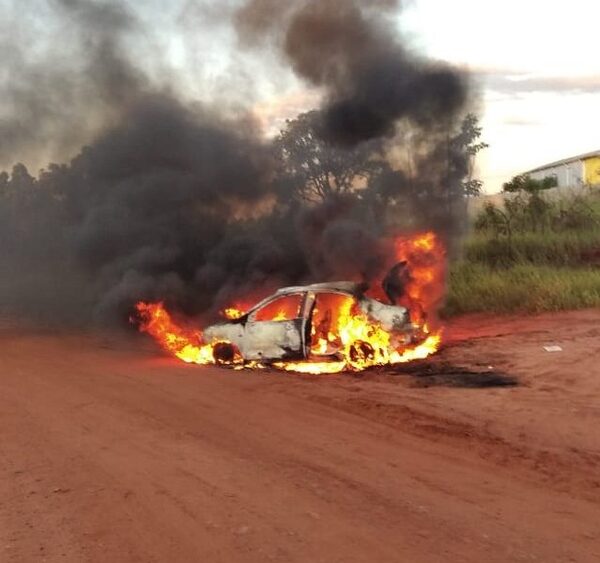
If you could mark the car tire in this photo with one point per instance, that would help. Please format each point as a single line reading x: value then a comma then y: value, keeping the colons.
x: 361, y: 351
x: 224, y: 353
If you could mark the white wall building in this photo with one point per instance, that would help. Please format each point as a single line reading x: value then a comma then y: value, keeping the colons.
x: 571, y: 172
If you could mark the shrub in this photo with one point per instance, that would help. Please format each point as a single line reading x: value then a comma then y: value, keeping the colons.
x: 532, y: 254
x: 525, y: 183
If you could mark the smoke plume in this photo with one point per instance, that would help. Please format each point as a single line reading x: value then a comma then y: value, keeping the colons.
x: 188, y: 202
x: 349, y: 48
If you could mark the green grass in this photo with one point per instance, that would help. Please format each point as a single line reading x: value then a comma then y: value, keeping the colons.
x: 531, y: 271
x: 549, y: 248
x: 530, y: 288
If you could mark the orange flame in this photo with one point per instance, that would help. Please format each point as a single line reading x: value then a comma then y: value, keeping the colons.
x: 361, y: 344
x: 426, y: 257
x: 182, y: 343
x: 232, y: 313
x: 339, y: 328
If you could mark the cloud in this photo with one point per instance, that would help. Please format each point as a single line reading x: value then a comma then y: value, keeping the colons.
x: 514, y: 82
x: 516, y: 121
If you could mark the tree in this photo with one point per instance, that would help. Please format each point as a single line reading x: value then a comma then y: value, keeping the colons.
x: 4, y: 184
x: 21, y: 185
x: 468, y: 142
x: 315, y: 170
x: 21, y: 179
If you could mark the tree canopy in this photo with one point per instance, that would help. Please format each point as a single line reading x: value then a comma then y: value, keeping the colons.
x: 316, y: 170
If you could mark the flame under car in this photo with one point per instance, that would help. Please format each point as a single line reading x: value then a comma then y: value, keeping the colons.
x: 307, y: 323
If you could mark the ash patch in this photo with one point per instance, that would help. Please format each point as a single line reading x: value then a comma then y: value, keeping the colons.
x: 428, y: 373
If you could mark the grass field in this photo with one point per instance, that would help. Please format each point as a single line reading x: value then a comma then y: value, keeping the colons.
x: 523, y: 287
x: 529, y: 271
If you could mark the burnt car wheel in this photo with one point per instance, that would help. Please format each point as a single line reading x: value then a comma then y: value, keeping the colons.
x: 224, y: 353
x: 361, y: 351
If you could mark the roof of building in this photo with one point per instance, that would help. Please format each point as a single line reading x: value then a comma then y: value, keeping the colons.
x: 583, y: 156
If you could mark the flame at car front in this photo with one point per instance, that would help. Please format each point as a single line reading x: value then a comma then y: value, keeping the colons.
x: 364, y: 344
x: 343, y: 337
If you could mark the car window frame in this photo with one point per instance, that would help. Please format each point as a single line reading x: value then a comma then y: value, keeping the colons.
x: 269, y: 300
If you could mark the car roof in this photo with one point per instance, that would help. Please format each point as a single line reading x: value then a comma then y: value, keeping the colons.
x: 351, y: 288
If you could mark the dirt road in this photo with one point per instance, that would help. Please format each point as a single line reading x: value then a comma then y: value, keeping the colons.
x: 109, y: 452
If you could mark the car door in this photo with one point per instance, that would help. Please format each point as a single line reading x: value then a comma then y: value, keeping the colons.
x: 325, y: 317
x: 276, y: 330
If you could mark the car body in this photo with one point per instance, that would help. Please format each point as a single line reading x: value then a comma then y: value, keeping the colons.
x: 285, y: 326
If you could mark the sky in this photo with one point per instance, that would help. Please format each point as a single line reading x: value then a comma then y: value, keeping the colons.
x: 534, y: 64
x: 539, y: 71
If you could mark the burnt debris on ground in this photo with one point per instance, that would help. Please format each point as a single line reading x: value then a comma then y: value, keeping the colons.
x: 427, y: 373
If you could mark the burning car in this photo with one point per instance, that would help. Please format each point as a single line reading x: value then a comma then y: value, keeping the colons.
x: 323, y: 327
x: 307, y: 322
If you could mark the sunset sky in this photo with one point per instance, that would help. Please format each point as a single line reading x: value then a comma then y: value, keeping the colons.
x: 534, y: 63
x: 539, y: 69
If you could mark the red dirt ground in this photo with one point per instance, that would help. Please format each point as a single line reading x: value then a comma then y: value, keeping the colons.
x: 109, y: 452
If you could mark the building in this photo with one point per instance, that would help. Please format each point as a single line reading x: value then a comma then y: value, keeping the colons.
x: 570, y: 172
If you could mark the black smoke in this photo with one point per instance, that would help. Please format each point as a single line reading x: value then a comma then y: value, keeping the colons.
x: 350, y: 48
x: 186, y: 202
x: 65, y: 75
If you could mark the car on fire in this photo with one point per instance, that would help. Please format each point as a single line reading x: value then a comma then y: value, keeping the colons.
x: 302, y: 323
